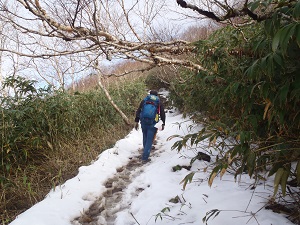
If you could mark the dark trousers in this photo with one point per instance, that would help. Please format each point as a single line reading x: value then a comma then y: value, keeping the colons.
x: 149, y: 132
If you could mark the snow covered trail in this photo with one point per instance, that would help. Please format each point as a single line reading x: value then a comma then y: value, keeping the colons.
x: 104, y: 210
x: 117, y: 189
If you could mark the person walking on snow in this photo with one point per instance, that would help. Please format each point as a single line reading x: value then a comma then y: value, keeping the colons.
x: 148, y: 113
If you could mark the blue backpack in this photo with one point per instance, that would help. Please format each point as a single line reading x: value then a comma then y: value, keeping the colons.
x: 150, y: 110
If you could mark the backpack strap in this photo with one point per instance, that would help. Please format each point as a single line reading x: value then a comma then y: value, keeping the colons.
x: 150, y: 102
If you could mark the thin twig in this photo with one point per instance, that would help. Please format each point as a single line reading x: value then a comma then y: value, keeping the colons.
x: 135, y: 219
x: 251, y: 197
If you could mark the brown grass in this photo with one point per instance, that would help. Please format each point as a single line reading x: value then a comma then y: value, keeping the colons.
x: 29, y: 184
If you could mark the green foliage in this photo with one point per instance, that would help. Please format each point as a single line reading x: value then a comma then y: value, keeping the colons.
x: 153, y: 81
x: 188, y: 178
x: 33, y: 120
x: 211, y: 214
x: 250, y: 94
x: 164, y: 214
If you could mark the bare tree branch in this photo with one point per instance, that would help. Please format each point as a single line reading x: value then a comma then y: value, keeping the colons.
x: 108, y: 29
x: 142, y: 70
x: 98, y: 39
x: 230, y: 12
x: 124, y: 117
x: 208, y: 14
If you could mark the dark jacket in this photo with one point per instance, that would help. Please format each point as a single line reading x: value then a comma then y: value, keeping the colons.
x: 162, y: 114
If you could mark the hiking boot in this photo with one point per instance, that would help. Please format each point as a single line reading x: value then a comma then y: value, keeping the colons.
x: 144, y: 161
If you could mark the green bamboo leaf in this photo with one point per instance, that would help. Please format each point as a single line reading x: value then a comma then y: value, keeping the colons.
x: 269, y: 26
x: 283, y: 93
x: 276, y: 40
x: 298, y: 172
x: 173, y: 136
x: 251, y: 163
x: 236, y: 150
x: 193, y: 138
x: 284, y: 178
x: 177, y: 145
x: 253, y: 121
x: 265, y: 89
x: 242, y: 137
x: 235, y: 87
x: 158, y: 215
x: 288, y: 32
x: 260, y: 45
x: 283, y: 36
x: 253, y: 5
x: 297, y: 34
x: 251, y: 70
x: 165, y: 209
x: 203, y: 137
x: 214, y: 174
x: 278, y: 59
x: 264, y: 61
x: 188, y: 178
x: 296, y: 11
x: 213, y: 212
x: 227, y: 89
x: 277, y: 180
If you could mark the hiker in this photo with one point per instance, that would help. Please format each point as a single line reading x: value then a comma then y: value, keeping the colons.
x: 148, y: 114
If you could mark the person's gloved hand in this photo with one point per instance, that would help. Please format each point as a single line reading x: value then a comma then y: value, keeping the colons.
x: 136, y: 126
x: 163, y: 126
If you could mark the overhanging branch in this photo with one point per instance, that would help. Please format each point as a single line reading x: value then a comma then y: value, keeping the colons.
x: 230, y: 12
x: 101, y: 42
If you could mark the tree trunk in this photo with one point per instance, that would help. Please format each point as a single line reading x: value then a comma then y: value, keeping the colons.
x: 124, y: 117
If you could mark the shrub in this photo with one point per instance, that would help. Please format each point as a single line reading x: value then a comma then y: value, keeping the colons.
x: 250, y: 95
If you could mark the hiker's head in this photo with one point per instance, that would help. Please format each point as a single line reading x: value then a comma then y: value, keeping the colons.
x: 153, y: 92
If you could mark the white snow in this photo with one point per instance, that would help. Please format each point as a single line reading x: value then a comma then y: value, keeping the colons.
x: 153, y: 185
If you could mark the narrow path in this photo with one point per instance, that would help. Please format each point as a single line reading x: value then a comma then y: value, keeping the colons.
x: 103, y: 210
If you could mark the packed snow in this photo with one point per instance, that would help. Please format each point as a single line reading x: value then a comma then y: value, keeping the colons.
x: 154, y: 193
